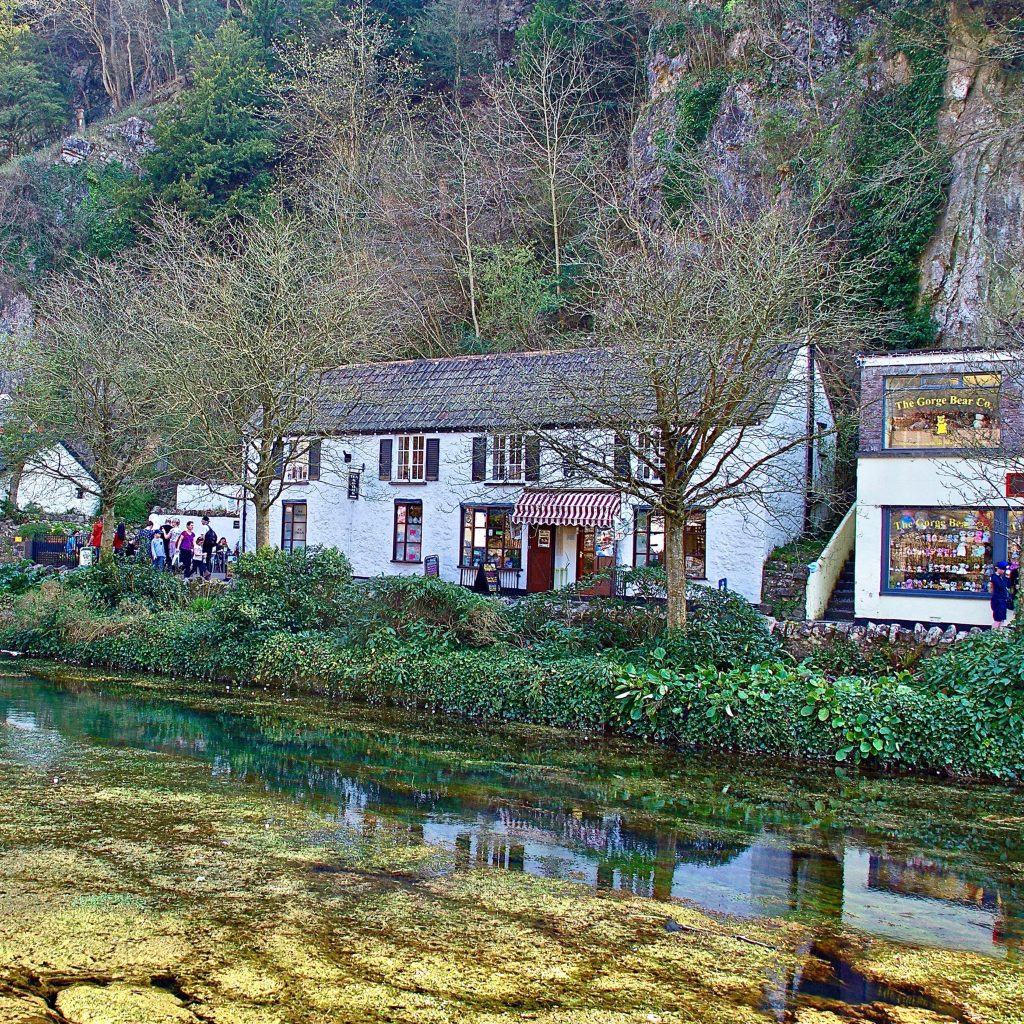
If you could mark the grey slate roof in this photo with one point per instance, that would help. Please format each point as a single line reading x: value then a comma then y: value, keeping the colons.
x: 577, y: 387
x: 461, y: 393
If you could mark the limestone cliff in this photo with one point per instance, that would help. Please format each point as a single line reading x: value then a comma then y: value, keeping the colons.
x: 901, y: 126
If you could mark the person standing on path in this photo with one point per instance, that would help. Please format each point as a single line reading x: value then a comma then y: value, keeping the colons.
x: 209, y: 543
x: 999, y: 588
x: 158, y: 551
x: 186, y: 549
x: 120, y: 539
x: 176, y: 532
x: 144, y: 540
x: 96, y: 538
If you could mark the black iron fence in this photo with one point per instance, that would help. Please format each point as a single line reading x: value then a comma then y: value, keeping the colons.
x: 49, y: 549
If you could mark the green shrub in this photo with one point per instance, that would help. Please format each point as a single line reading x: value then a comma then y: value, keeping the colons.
x: 791, y: 711
x: 722, y: 630
x: 287, y: 591
x: 18, y: 577
x: 413, y: 606
x: 114, y: 581
x: 984, y: 674
x: 497, y: 682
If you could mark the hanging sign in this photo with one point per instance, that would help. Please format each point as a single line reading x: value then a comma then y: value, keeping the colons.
x: 353, y: 485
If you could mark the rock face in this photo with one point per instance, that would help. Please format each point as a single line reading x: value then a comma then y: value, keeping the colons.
x: 982, y: 228
x: 786, y: 121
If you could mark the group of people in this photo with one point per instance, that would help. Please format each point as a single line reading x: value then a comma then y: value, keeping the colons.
x: 172, y: 546
x: 169, y: 547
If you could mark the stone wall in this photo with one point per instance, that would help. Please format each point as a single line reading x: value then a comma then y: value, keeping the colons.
x: 784, y: 590
x: 903, y: 645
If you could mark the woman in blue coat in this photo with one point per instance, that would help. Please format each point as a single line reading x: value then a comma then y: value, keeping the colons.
x: 1000, y: 591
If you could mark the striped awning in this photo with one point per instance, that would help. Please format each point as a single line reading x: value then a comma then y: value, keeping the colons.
x: 567, y: 508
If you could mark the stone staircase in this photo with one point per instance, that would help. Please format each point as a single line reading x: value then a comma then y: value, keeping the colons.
x: 840, y: 605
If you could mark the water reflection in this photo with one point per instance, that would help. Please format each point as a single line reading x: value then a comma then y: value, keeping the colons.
x: 504, y: 807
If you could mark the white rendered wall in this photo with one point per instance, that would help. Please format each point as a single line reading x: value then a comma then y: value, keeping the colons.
x: 40, y: 484
x: 922, y: 482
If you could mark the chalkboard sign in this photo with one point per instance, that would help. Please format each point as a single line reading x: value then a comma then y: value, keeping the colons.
x: 488, y: 581
x: 432, y: 565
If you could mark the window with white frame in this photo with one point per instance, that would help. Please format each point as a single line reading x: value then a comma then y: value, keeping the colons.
x: 412, y: 457
x: 297, y: 469
x: 650, y: 458
x: 508, y: 457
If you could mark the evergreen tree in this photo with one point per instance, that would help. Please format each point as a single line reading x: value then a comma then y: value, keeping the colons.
x: 215, y: 146
x: 33, y: 106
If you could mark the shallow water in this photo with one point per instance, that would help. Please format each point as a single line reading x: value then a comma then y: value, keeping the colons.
x: 914, y: 861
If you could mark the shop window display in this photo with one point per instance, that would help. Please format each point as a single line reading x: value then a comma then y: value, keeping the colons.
x: 942, y: 410
x: 940, y: 549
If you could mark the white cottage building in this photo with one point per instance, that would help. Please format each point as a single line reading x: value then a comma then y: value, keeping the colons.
x: 422, y: 474
x: 56, y: 481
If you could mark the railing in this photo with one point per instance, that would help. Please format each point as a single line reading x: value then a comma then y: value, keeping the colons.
x: 508, y: 579
x: 49, y: 550
x: 825, y: 572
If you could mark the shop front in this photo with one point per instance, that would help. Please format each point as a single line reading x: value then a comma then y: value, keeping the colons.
x: 570, y: 537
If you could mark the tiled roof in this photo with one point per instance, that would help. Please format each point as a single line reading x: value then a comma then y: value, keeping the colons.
x: 575, y: 387
x: 457, y: 393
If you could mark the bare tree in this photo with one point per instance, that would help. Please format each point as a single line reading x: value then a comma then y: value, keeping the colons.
x: 88, y: 383
x: 547, y: 117
x: 702, y: 379
x: 249, y: 329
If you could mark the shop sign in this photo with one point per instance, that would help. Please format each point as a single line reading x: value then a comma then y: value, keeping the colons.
x: 975, y: 400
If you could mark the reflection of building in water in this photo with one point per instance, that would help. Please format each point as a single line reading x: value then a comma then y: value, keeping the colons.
x: 923, y: 878
x: 798, y: 880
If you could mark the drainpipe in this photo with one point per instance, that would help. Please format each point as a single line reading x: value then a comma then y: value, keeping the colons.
x: 811, y: 430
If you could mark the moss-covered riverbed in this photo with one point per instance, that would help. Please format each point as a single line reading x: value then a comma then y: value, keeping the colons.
x: 137, y: 885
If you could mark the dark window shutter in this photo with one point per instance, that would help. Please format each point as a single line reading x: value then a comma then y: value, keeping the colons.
x: 480, y: 458
x: 314, y: 459
x: 433, y: 459
x: 386, y: 450
x: 277, y: 454
x: 621, y: 457
x: 533, y: 459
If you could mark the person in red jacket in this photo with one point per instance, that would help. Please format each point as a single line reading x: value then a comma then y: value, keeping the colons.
x: 96, y: 539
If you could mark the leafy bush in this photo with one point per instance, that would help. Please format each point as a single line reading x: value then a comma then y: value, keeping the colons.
x: 722, y: 630
x: 497, y: 682
x: 114, y: 581
x: 18, y: 577
x: 412, y: 606
x: 288, y: 591
x: 984, y: 673
x: 792, y: 711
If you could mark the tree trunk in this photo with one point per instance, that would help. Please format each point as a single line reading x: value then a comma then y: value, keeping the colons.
x: 17, y: 471
x: 261, y: 504
x: 675, y: 570
x: 107, y: 518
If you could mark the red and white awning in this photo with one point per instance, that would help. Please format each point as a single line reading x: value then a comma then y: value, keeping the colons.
x: 568, y: 508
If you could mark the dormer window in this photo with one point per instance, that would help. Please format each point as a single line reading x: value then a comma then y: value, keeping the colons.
x: 942, y: 410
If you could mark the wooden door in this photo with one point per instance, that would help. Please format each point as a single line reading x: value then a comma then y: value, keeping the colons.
x: 588, y: 562
x: 540, y: 560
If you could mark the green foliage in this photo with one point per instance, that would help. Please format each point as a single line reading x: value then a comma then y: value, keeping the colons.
x: 515, y: 295
x: 985, y: 675
x: 777, y: 709
x: 282, y: 591
x: 216, y: 144
x: 33, y: 94
x: 697, y: 104
x: 113, y: 581
x: 20, y: 577
x: 133, y: 505
x: 417, y: 607
x: 899, y: 181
